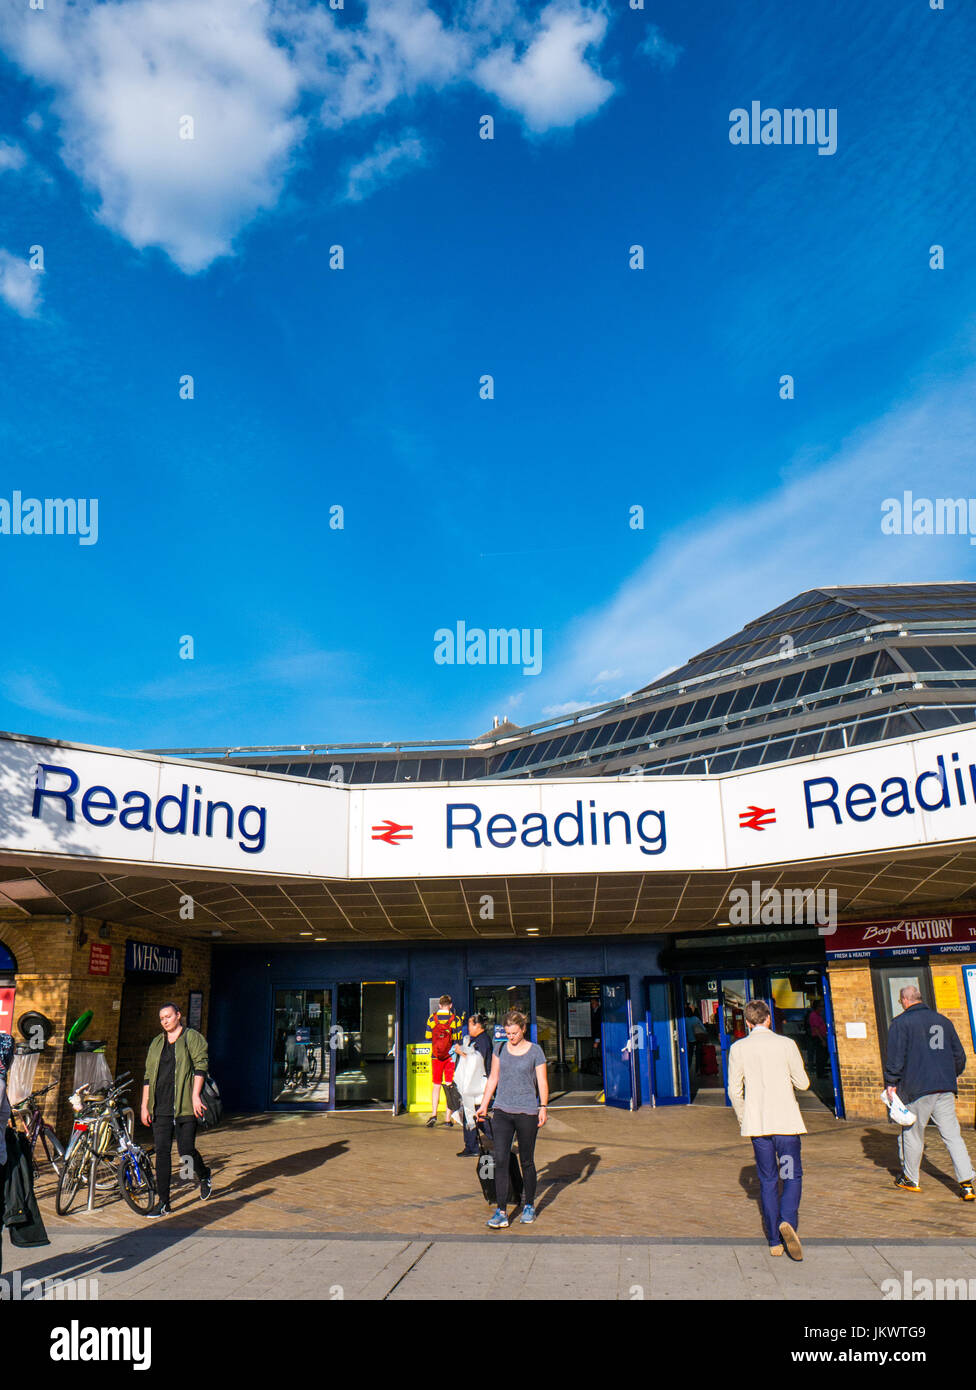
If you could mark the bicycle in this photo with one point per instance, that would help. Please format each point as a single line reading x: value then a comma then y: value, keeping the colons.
x: 36, y: 1128
x: 303, y: 1067
x: 91, y: 1157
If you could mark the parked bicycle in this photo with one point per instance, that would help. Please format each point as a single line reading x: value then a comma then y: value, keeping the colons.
x: 303, y: 1068
x: 36, y: 1128
x: 102, y: 1153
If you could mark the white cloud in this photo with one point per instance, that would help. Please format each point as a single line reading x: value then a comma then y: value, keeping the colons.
x: 256, y: 76
x: 819, y: 527
x: 125, y: 74
x: 552, y: 82
x: 659, y: 49
x: 387, y: 161
x: 12, y: 156
x: 20, y: 286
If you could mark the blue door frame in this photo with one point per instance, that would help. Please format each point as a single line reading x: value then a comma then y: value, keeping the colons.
x: 668, y: 1047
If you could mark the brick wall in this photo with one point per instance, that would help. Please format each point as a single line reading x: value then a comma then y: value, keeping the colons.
x: 52, y: 977
x: 860, y: 1058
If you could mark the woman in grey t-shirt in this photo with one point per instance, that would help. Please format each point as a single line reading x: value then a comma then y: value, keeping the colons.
x: 520, y: 1085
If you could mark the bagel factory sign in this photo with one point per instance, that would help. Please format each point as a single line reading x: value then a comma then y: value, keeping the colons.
x: 908, y: 936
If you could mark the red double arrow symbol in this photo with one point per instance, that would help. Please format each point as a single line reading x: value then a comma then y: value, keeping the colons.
x: 391, y: 832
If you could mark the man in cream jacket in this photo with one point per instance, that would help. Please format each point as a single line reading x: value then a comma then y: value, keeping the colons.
x: 764, y: 1070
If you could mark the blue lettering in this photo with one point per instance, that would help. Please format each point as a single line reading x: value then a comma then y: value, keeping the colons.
x: 906, y: 807
x: 542, y: 830
x: 660, y: 839
x: 505, y: 826
x: 89, y: 804
x: 852, y: 802
x: 472, y: 825
x: 830, y: 801
x: 66, y: 794
x: 138, y: 812
x: 255, y: 838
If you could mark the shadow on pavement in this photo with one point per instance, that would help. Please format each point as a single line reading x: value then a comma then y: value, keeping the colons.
x: 290, y: 1166
x: 881, y: 1147
x: 122, y: 1253
x: 563, y: 1172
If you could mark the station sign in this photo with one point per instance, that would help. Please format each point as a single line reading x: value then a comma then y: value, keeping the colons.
x: 77, y: 804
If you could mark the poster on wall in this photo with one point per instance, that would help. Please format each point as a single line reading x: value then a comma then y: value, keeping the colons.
x: 194, y: 1011
x: 99, y: 958
x: 579, y: 1018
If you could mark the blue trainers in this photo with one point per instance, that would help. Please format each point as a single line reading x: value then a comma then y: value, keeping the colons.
x: 499, y: 1221
x: 528, y: 1215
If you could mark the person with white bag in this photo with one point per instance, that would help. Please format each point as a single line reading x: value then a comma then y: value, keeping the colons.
x: 923, y: 1062
x: 474, y: 1055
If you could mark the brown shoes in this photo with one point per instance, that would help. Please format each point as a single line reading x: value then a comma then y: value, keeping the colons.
x: 791, y: 1240
x: 776, y: 1249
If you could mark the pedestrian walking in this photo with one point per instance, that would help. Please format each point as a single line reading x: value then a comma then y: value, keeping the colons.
x: 470, y: 1080
x: 176, y: 1068
x: 443, y: 1032
x: 520, y: 1086
x: 923, y: 1061
x: 765, y: 1069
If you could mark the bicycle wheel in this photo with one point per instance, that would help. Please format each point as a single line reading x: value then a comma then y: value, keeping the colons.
x: 137, y: 1182
x: 72, y: 1175
x: 53, y: 1148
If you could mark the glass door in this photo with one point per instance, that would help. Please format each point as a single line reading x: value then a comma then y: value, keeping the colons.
x: 666, y: 1048
x: 734, y: 994
x: 365, y: 1044
x: 495, y: 1000
x: 799, y: 1001
x: 301, y: 1058
x: 617, y: 1044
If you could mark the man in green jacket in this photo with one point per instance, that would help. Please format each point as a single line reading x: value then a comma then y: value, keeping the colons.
x: 176, y: 1068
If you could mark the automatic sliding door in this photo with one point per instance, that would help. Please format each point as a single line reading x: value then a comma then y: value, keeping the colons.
x: 300, y: 1055
x: 365, y: 1041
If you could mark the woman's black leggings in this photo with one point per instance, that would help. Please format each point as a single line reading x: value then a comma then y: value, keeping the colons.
x: 505, y: 1126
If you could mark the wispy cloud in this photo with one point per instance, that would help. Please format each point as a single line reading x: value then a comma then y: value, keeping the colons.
x: 660, y: 50
x: 27, y: 692
x: 821, y: 526
x: 388, y: 160
x: 12, y: 156
x: 20, y: 286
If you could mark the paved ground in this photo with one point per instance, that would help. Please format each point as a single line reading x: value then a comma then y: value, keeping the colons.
x: 660, y: 1204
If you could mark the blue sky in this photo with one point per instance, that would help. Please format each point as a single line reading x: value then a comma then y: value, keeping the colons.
x: 360, y: 387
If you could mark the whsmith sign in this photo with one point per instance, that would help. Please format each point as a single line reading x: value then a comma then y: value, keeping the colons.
x: 65, y: 803
x: 143, y: 958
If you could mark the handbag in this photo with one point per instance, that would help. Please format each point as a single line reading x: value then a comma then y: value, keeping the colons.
x: 214, y: 1106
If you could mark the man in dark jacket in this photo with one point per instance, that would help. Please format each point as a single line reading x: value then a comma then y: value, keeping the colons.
x: 924, y: 1060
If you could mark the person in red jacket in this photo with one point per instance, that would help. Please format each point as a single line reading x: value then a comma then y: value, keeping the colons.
x: 443, y: 1033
